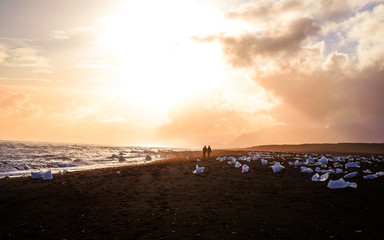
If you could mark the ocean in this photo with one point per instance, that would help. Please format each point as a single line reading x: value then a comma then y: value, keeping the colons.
x: 22, y: 158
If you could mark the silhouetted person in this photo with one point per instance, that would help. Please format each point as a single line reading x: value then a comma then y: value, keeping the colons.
x: 209, y: 151
x: 204, y: 151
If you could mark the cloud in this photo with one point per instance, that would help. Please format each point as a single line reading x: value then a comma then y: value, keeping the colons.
x: 366, y: 29
x: 17, y: 53
x: 214, y: 117
x: 64, y: 34
x: 3, y: 53
x: 326, y: 10
x: 17, y: 104
x: 114, y: 119
x: 320, y: 84
x: 60, y: 35
x: 93, y: 65
x: 24, y: 80
x: 286, y: 135
x: 337, y: 62
x: 22, y: 103
x: 29, y: 57
x: 69, y: 115
x: 246, y: 50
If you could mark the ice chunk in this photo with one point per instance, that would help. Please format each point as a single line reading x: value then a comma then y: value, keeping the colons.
x: 36, y: 174
x: 371, y: 176
x: 232, y: 160
x: 352, y: 164
x: 339, y: 170
x: 317, y: 178
x: 337, y: 165
x: 324, y: 177
x: 380, y: 174
x: 297, y: 163
x: 323, y: 160
x: 338, y: 159
x: 198, y: 170
x: 367, y: 171
x: 290, y: 163
x: 277, y: 167
x: 319, y: 170
x: 310, y: 160
x: 245, y: 168
x: 47, y: 175
x: 350, y: 175
x: 244, y: 158
x: 238, y: 164
x: 306, y: 170
x: 335, y: 184
x: 264, y: 162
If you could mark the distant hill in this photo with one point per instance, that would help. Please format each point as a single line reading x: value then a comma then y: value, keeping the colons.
x: 325, y: 148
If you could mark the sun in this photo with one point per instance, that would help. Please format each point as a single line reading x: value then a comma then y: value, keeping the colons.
x: 159, y: 60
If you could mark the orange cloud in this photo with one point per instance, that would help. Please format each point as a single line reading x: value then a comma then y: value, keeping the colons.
x: 312, y: 69
x: 321, y: 86
x: 36, y: 113
x: 209, y: 118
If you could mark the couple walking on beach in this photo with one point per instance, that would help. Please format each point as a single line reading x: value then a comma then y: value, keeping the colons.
x: 207, y: 150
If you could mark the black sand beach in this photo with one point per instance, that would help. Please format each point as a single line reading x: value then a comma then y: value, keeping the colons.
x: 164, y: 200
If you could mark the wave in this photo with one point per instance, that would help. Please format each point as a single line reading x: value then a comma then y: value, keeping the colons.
x: 20, y: 158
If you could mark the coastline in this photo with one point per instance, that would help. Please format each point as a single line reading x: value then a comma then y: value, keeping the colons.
x: 164, y: 200
x: 18, y: 159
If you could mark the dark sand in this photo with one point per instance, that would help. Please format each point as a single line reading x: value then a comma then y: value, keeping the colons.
x: 166, y: 201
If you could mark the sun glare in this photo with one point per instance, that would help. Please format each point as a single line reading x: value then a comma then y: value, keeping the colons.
x: 159, y: 60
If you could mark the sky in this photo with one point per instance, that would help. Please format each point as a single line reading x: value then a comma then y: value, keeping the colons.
x: 186, y: 73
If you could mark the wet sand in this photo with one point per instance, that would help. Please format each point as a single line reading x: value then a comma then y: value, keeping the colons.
x: 164, y: 200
